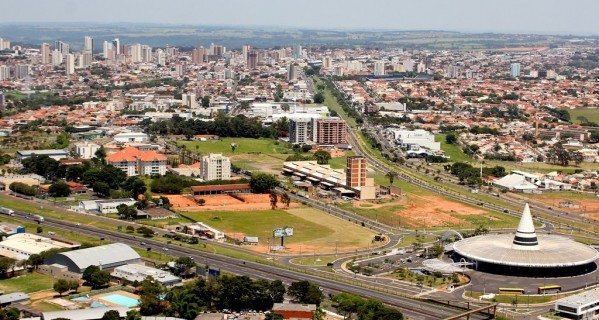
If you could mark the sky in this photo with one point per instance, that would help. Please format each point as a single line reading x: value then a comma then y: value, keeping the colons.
x: 576, y: 17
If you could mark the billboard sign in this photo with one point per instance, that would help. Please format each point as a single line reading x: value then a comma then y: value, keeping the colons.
x: 283, y: 232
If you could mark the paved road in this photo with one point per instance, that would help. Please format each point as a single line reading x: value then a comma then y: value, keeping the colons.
x: 414, y: 309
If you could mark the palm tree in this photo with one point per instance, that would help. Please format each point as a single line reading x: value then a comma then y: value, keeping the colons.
x: 391, y: 175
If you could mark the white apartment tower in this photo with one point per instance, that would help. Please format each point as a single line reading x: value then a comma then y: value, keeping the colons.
x: 88, y: 44
x: 45, y: 52
x: 299, y: 131
x: 70, y: 64
x: 379, y: 68
x: 215, y: 167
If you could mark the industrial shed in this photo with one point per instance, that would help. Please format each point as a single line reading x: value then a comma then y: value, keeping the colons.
x: 108, y: 256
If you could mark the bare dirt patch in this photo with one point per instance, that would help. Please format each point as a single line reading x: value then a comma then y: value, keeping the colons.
x: 432, y: 211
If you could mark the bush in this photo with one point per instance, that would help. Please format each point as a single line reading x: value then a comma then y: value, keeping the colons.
x: 22, y: 188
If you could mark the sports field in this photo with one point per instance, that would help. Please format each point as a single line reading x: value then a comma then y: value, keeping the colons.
x: 313, y: 230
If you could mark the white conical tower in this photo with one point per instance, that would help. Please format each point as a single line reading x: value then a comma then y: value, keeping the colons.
x: 526, y: 237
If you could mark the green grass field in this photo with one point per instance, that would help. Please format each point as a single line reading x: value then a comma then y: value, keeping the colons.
x: 28, y: 283
x: 341, y: 162
x: 244, y: 145
x: 592, y: 115
x: 454, y: 152
x: 312, y: 228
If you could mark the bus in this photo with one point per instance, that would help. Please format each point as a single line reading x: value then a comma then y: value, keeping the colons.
x: 511, y: 291
x: 553, y: 288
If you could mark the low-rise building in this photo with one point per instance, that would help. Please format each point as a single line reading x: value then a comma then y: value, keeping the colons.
x: 131, y: 137
x: 106, y: 257
x: 22, y: 245
x: 295, y: 311
x: 86, y: 150
x: 138, y: 272
x: 104, y: 206
x: 579, y: 306
x: 136, y: 162
x: 55, y: 154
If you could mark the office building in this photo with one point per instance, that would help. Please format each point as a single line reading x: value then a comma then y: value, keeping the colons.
x: 331, y: 130
x: 299, y: 130
x: 45, y: 53
x: 356, y: 171
x: 216, y: 167
x: 379, y: 68
x: 70, y: 64
x: 515, y: 70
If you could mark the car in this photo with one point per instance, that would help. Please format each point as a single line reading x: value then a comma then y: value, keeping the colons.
x: 142, y: 243
x: 330, y: 264
x: 165, y: 248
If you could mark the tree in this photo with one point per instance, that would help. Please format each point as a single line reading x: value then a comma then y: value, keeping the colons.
x: 35, y: 260
x: 206, y: 101
x: 306, y: 292
x: 451, y: 138
x: 111, y: 315
x: 39, y: 229
x: 95, y: 276
x: 184, y: 265
x: 263, y: 183
x: 126, y: 212
x: 135, y: 185
x: 322, y: 156
x: 201, y: 201
x: 59, y: 189
x: 273, y: 199
x: 5, y: 265
x: 61, y: 286
x: 319, y: 98
x: 101, y: 188
x: 74, y: 285
x: 149, y: 296
x: 133, y: 315
x: 101, y: 154
x: 391, y: 176
x: 285, y: 199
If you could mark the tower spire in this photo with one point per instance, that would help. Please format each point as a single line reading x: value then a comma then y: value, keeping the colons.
x: 526, y: 236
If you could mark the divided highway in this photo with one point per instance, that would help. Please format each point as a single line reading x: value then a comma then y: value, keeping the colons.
x: 413, y: 309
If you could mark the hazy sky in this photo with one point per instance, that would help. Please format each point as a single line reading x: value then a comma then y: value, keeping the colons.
x: 511, y: 16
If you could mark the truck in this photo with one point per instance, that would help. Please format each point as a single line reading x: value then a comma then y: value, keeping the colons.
x: 7, y: 211
x: 38, y: 218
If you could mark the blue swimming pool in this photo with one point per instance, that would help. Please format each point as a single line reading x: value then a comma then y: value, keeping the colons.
x: 121, y: 300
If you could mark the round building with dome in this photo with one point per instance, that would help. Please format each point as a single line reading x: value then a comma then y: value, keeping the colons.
x: 527, y: 254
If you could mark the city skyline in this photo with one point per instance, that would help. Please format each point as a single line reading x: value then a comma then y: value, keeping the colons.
x: 543, y: 17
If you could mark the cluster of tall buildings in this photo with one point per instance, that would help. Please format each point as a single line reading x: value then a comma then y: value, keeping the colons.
x: 322, y: 131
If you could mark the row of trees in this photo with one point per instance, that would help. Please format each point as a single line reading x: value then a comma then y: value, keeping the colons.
x: 223, y: 126
x: 471, y: 175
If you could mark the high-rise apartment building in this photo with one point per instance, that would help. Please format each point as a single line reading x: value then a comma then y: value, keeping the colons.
x: 379, y: 68
x: 252, y: 59
x: 215, y: 167
x: 299, y: 131
x: 146, y: 53
x: 135, y: 53
x: 356, y: 172
x: 292, y: 73
x: 189, y: 99
x: 327, y: 62
x: 56, y: 58
x: 62, y: 47
x: 45, y: 53
x: 4, y: 73
x: 107, y: 50
x: 70, y: 64
x: 515, y: 70
x: 160, y: 57
x: 197, y: 55
x: 298, y: 52
x: 116, y: 46
x: 21, y: 71
x: 88, y: 44
x: 331, y: 130
x: 244, y: 51
x: 453, y: 72
x: 86, y: 59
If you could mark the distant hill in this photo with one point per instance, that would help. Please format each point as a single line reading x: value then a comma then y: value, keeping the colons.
x: 233, y: 37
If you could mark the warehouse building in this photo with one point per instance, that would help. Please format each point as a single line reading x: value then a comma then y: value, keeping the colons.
x: 108, y: 257
x: 22, y: 245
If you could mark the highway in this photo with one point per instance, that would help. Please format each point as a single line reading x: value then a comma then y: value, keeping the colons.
x: 413, y: 309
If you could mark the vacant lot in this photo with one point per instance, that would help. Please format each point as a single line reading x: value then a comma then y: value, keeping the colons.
x: 313, y: 230
x: 575, y: 202
x: 429, y: 211
x: 592, y: 114
x: 244, y: 145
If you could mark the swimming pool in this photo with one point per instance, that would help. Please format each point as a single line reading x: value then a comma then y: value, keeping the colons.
x: 121, y: 300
